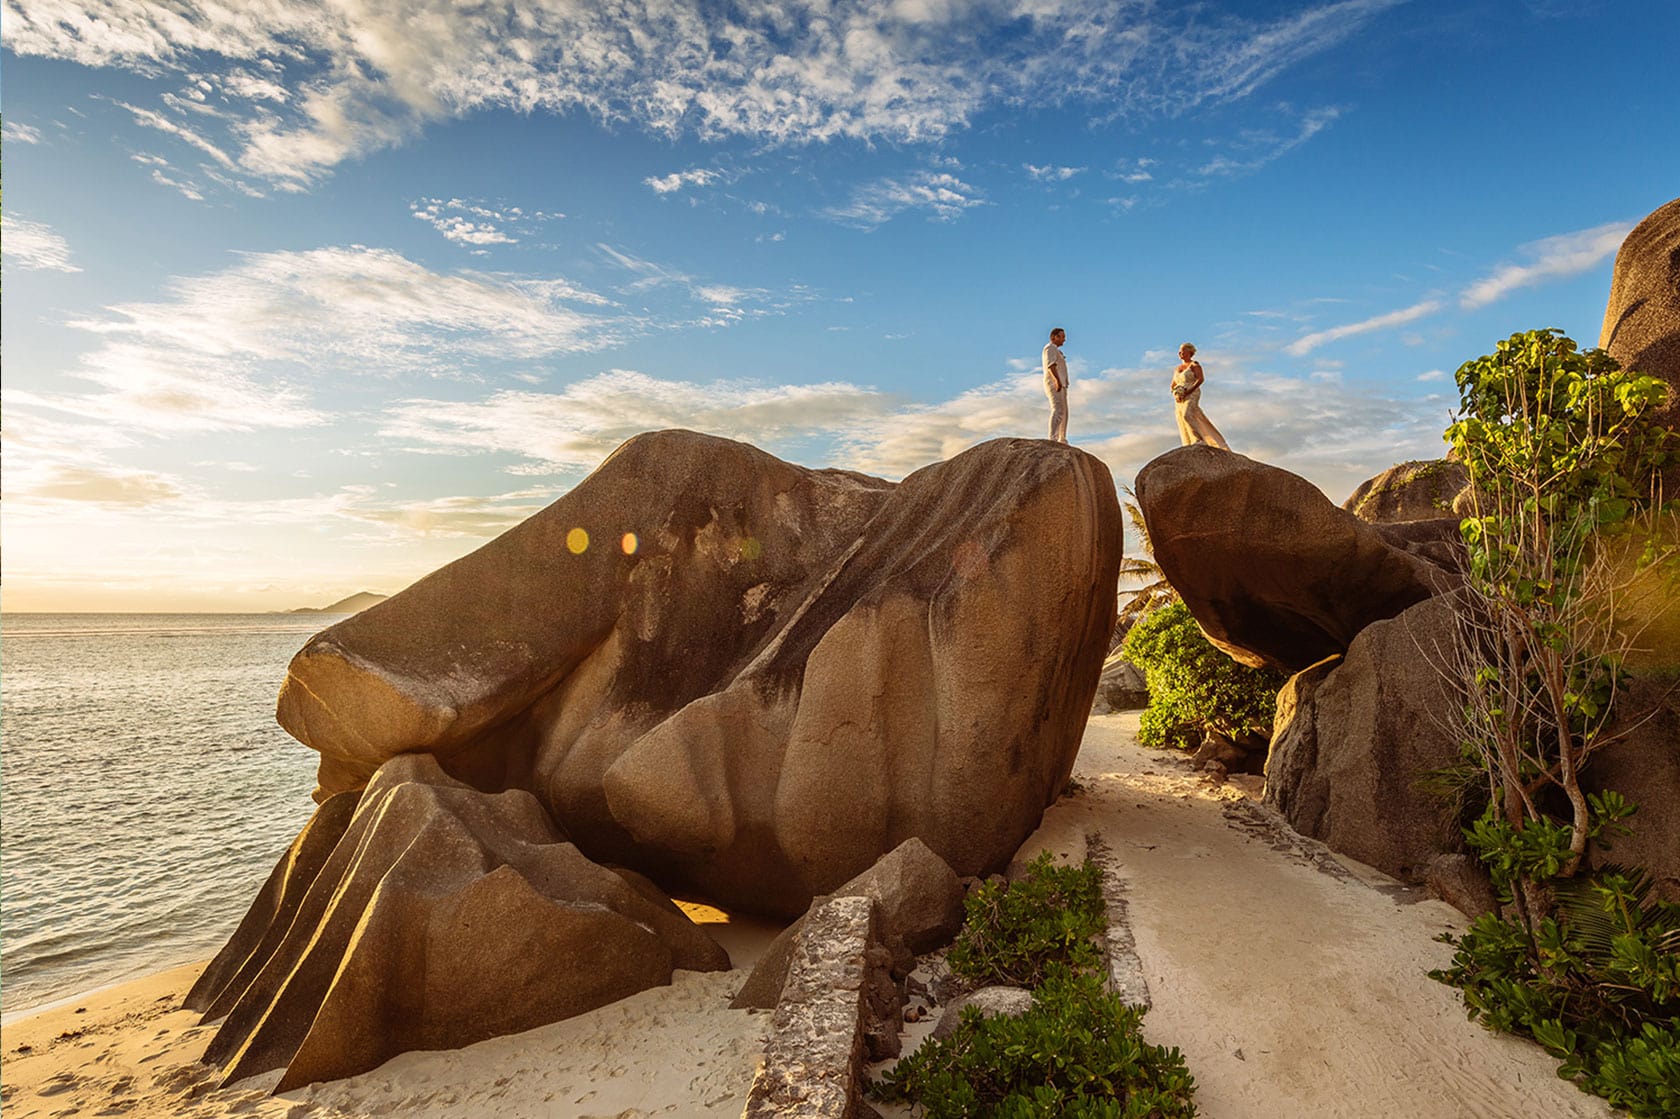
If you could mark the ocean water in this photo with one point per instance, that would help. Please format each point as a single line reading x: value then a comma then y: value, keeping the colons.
x: 145, y: 789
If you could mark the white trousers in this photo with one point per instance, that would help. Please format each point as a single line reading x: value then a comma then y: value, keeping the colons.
x: 1058, y: 410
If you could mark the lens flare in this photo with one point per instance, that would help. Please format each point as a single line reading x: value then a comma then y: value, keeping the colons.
x: 629, y: 543
x: 577, y: 541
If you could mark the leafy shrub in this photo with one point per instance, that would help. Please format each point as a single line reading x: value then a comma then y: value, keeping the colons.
x: 1013, y: 931
x: 1195, y: 688
x: 1078, y: 1053
x: 1597, y: 984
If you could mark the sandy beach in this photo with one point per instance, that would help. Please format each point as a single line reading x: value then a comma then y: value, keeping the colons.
x: 1293, y: 982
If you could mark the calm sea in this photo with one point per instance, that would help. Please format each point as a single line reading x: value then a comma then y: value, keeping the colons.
x: 145, y: 789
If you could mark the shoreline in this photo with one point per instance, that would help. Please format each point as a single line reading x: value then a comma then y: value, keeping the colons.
x: 23, y: 1014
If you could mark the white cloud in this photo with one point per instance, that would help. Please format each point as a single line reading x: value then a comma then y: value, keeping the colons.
x: 1552, y: 258
x: 152, y: 119
x: 1309, y: 342
x: 1433, y: 375
x: 11, y: 132
x: 238, y: 349
x: 311, y: 83
x: 725, y: 303
x: 1050, y: 173
x: 578, y: 426
x: 32, y: 245
x: 1256, y: 149
x: 874, y: 204
x: 451, y: 218
x: 676, y: 180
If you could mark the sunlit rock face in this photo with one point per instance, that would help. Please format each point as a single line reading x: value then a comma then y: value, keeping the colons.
x: 1642, y: 318
x: 1272, y: 571
x: 425, y: 914
x: 747, y: 678
x: 1409, y: 491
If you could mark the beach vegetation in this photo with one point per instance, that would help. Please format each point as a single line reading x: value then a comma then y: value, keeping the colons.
x: 1152, y: 589
x: 1562, y: 457
x: 1195, y: 688
x: 1077, y: 1053
x: 1013, y: 932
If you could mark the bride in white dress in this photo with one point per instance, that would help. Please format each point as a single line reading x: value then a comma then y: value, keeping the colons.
x: 1193, y: 424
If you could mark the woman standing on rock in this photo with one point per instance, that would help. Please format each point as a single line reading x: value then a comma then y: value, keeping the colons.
x: 1193, y: 424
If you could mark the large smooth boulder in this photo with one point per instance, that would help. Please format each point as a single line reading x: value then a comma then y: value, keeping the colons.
x: 1357, y: 738
x: 1420, y: 490
x: 425, y: 914
x: 1354, y: 739
x: 745, y: 678
x: 1642, y: 318
x: 1274, y: 573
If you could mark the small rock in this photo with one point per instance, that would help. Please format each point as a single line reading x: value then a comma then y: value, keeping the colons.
x: 992, y: 1001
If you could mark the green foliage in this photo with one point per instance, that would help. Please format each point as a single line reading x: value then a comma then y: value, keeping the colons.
x: 1195, y: 688
x: 1078, y: 1053
x: 1013, y: 931
x: 1560, y: 454
x: 1597, y: 984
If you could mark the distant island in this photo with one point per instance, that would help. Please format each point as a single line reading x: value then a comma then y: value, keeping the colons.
x: 361, y: 600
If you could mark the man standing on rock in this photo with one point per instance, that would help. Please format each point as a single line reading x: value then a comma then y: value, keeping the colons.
x: 1056, y: 383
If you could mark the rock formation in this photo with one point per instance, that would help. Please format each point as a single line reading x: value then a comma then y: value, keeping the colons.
x: 1121, y: 687
x: 424, y: 914
x: 1272, y: 571
x: 918, y: 902
x: 747, y: 678
x: 1357, y: 737
x: 1642, y: 318
x: 1412, y: 491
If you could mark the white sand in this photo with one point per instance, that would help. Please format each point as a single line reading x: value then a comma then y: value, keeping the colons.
x: 1293, y: 982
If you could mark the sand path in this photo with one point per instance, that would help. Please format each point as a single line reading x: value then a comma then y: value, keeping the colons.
x: 1293, y: 982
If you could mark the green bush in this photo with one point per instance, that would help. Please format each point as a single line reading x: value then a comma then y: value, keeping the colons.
x: 1597, y: 984
x: 1195, y: 688
x: 1013, y: 931
x: 1078, y: 1053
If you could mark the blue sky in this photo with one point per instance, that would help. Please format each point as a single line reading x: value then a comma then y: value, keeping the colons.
x: 309, y: 298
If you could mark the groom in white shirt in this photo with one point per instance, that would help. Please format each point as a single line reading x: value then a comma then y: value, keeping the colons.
x: 1056, y: 383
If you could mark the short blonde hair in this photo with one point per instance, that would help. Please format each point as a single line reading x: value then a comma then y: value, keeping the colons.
x: 1191, y: 346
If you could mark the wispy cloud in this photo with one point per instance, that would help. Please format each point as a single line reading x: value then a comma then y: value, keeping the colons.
x: 32, y: 245
x: 238, y: 349
x: 11, y: 132
x: 1253, y: 150
x: 874, y: 204
x: 311, y: 84
x: 578, y: 426
x: 676, y: 180
x: 1551, y: 258
x: 153, y: 119
x: 1309, y: 342
x: 725, y: 303
x: 1050, y: 173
